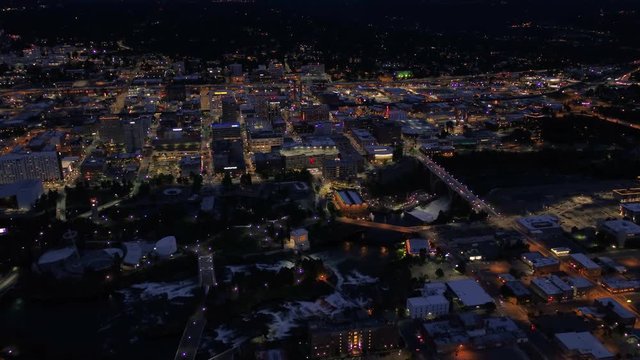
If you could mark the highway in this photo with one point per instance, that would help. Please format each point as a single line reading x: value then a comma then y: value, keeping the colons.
x: 455, y: 185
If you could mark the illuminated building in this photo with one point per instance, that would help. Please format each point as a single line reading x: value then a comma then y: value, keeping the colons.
x: 616, y: 285
x: 298, y: 240
x: 226, y: 131
x: 309, y: 154
x: 43, y: 166
x: 340, y: 169
x: 264, y: 142
x: 627, y: 195
x: 560, y: 251
x: 351, y: 338
x: 379, y: 153
x: 350, y: 203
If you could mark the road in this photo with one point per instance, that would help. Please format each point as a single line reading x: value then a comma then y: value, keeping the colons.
x: 8, y: 281
x: 381, y: 226
x: 190, y: 342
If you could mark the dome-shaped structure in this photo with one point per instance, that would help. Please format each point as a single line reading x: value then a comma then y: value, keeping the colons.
x: 54, y: 256
x: 166, y: 246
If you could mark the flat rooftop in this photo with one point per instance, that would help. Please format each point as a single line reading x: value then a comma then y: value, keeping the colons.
x: 622, y: 226
x: 584, y: 343
x: 540, y: 222
x: 584, y: 261
x: 469, y: 292
x: 633, y: 207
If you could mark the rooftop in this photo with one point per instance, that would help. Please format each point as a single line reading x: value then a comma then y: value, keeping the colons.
x: 469, y: 292
x: 634, y: 207
x: 622, y: 226
x: 584, y: 343
x: 540, y: 222
x: 584, y: 261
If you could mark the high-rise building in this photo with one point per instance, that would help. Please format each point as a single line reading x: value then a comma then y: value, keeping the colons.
x: 230, y: 110
x: 110, y: 129
x: 134, y: 133
x: 43, y: 166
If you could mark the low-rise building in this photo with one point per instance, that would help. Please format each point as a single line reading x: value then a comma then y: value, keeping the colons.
x: 516, y: 291
x: 427, y: 307
x: 469, y: 294
x: 20, y: 195
x: 417, y: 245
x: 623, y: 232
x: 471, y: 330
x: 351, y: 338
x: 350, y: 203
x: 615, y: 312
x: 584, y: 264
x: 582, y: 345
x: 617, y: 285
x: 546, y: 289
x: 298, y: 240
x: 541, y: 226
x: 539, y: 263
x: 631, y: 211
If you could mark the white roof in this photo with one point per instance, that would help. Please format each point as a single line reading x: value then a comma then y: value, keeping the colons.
x: 584, y: 343
x: 166, y: 246
x: 133, y: 254
x: 53, y: 256
x: 469, y: 292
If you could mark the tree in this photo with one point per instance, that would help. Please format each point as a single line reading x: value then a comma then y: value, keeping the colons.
x: 226, y: 181
x: 197, y: 182
x: 397, y: 152
x: 245, y: 179
x: 439, y: 272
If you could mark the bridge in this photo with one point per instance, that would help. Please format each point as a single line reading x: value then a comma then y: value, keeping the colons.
x: 190, y: 341
x: 382, y: 226
x: 454, y: 185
